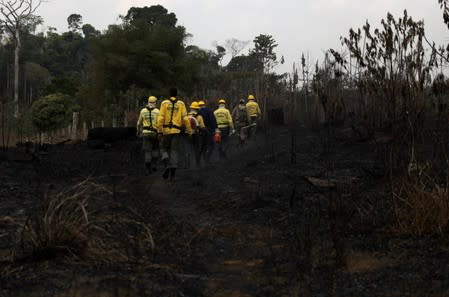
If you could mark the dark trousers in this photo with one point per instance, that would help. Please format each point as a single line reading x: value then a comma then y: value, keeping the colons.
x: 223, y: 146
x: 195, y: 148
x: 150, y: 146
x: 207, y: 144
x: 171, y: 149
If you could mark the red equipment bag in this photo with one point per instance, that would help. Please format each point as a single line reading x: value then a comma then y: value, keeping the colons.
x: 193, y: 123
x: 217, y: 137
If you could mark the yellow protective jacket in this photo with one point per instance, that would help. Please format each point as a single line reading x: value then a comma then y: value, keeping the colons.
x: 253, y: 109
x: 173, y: 117
x: 224, y: 118
x: 147, y: 122
x: 198, y: 122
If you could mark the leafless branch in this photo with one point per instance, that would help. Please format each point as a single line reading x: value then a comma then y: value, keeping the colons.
x: 432, y: 45
x: 20, y: 6
x: 12, y: 4
x: 8, y: 27
x: 20, y: 12
x: 16, y: 12
x: 11, y: 12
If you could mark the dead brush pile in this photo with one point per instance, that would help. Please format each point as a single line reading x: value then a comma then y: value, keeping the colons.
x: 421, y: 206
x: 84, y: 223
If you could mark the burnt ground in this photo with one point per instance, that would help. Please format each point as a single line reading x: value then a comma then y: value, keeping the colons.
x: 253, y: 225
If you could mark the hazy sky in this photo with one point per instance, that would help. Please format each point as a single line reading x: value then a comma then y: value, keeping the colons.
x: 309, y: 26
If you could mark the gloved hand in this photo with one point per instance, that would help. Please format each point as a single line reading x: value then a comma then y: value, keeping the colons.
x: 232, y: 132
x: 138, y: 133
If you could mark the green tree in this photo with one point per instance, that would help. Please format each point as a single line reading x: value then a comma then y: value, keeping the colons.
x: 37, y: 78
x: 264, y: 46
x: 155, y: 15
x: 244, y: 63
x: 51, y: 112
x: 90, y: 31
x: 221, y: 52
x: 200, y: 71
x: 66, y: 57
x: 74, y: 22
x: 146, y: 50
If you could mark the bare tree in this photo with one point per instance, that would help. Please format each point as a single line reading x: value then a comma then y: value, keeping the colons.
x: 235, y: 46
x: 18, y: 15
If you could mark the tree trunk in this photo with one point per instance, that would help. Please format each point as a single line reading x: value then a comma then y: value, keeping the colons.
x: 16, y: 73
x: 75, y: 121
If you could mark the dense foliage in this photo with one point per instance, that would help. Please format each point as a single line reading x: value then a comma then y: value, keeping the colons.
x: 109, y: 73
x: 51, y: 111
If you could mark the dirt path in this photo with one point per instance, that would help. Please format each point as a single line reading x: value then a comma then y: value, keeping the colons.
x: 235, y: 247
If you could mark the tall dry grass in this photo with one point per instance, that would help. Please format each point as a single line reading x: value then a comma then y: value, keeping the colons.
x: 421, y: 206
x: 83, y: 222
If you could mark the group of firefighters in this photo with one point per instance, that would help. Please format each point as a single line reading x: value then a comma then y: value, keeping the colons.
x: 164, y: 130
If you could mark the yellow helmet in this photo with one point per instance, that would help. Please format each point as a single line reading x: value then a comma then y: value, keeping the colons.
x: 152, y: 99
x: 194, y: 105
x: 251, y: 97
x: 201, y: 103
x: 221, y: 101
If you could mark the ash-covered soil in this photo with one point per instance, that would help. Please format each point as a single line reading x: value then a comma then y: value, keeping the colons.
x: 265, y: 222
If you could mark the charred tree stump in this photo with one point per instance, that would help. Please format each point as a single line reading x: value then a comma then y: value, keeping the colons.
x: 332, y: 190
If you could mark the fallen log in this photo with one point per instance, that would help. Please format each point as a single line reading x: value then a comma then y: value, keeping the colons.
x: 321, y: 183
x: 63, y: 142
x: 98, y: 137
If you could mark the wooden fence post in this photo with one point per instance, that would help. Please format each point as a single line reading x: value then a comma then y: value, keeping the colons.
x: 84, y: 130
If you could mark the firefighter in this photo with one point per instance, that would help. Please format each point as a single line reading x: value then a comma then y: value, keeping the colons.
x: 146, y: 127
x: 254, y: 113
x: 241, y: 120
x: 253, y: 110
x: 207, y: 142
x: 225, y: 125
x: 171, y: 121
x: 198, y: 127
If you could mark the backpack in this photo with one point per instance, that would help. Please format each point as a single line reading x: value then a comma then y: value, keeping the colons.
x: 193, y: 122
x: 170, y: 123
x: 242, y: 115
x: 151, y: 130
